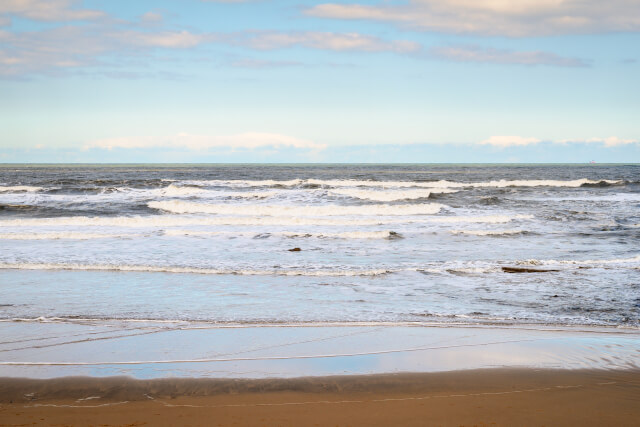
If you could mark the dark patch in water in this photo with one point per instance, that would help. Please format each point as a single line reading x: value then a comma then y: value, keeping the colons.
x: 395, y: 236
x: 526, y: 270
x: 489, y: 201
x: 603, y: 184
x: 11, y: 208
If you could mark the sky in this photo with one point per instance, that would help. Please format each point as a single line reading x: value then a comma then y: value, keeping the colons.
x: 310, y: 81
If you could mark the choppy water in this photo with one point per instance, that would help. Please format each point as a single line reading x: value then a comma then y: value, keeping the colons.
x: 377, y: 243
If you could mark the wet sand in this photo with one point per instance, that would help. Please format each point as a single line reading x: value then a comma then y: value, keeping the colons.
x: 131, y: 373
x: 527, y: 397
x: 158, y: 350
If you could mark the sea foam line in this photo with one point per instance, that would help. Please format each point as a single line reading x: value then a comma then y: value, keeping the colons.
x: 19, y: 189
x: 180, y: 207
x: 385, y: 234
x: 635, y: 259
x: 391, y: 184
x: 63, y: 235
x: 487, y: 232
x: 389, y: 196
x: 177, y: 221
x: 190, y: 270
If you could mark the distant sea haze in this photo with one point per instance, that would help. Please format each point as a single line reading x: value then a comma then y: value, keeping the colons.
x: 322, y: 243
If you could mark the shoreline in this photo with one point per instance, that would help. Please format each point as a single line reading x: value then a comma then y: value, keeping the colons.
x: 221, y: 324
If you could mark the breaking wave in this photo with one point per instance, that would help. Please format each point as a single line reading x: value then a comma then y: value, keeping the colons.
x: 175, y: 190
x: 391, y: 184
x: 20, y: 189
x: 176, y: 221
x: 180, y: 207
x: 488, y: 232
x: 389, y: 196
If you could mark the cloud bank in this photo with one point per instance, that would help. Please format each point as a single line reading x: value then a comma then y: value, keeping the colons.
x: 521, y: 18
x: 67, y: 47
x: 248, y: 140
x: 48, y: 10
x: 504, y: 141
x: 498, y: 56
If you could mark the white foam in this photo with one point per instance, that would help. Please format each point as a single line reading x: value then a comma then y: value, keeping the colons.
x: 161, y: 221
x: 392, y: 184
x: 291, y: 234
x: 618, y: 197
x: 184, y: 190
x: 246, y: 183
x: 388, y: 196
x: 181, y: 207
x: 61, y: 235
x: 348, y: 235
x: 485, y: 219
x: 176, y: 191
x: 487, y: 232
x: 191, y: 270
x: 202, y: 233
x: 632, y: 260
x: 250, y: 194
x: 19, y: 189
x: 520, y: 183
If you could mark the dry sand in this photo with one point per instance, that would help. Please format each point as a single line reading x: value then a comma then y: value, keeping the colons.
x: 521, y: 397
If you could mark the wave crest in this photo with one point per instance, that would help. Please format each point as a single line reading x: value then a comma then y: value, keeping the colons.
x: 20, y: 189
x: 181, y: 207
x: 190, y: 270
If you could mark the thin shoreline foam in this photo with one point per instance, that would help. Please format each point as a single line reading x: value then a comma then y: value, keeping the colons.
x: 194, y: 324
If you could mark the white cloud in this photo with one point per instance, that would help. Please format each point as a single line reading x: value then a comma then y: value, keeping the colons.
x: 612, y: 141
x: 262, y: 63
x: 498, y: 56
x: 72, y: 46
x: 48, y: 10
x: 65, y: 47
x: 513, y: 18
x: 267, y: 40
x: 151, y: 17
x: 49, y: 50
x: 165, y: 39
x: 504, y: 141
x: 249, y: 140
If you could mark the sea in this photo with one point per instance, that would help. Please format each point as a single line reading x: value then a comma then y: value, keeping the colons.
x: 321, y: 244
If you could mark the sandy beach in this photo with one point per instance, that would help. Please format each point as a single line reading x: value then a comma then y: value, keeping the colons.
x: 477, y: 397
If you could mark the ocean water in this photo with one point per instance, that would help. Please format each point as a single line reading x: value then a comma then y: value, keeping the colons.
x: 377, y: 243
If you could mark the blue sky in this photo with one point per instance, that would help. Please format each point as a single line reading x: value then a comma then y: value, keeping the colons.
x: 302, y: 81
